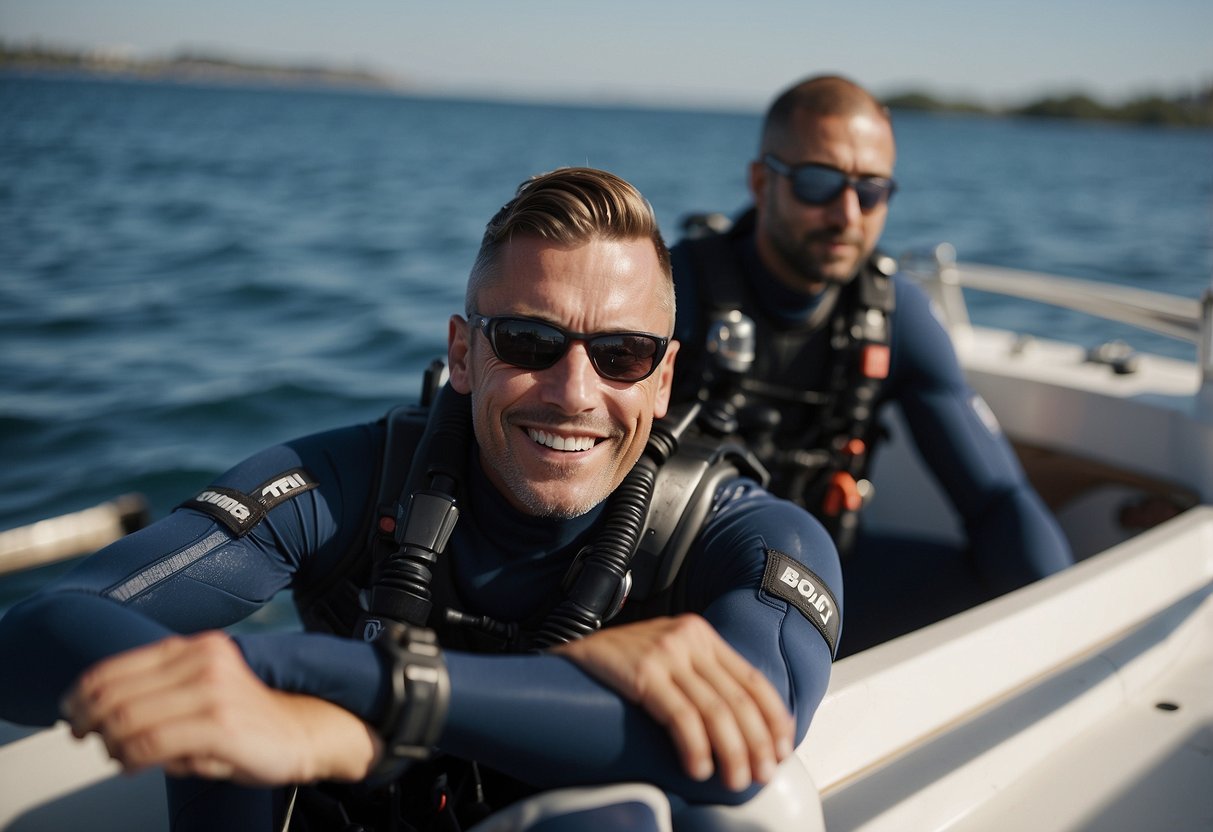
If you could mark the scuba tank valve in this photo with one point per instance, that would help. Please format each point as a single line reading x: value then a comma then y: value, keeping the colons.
x: 731, y: 342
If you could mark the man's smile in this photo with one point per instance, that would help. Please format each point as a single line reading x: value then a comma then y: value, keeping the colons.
x: 562, y: 443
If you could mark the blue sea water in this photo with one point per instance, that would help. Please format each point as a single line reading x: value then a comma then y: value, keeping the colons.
x: 189, y: 274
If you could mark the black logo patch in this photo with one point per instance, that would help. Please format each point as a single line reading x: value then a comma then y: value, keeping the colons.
x: 234, y: 509
x: 283, y: 487
x: 795, y: 583
x: 239, y: 512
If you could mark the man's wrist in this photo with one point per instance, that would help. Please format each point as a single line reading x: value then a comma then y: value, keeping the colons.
x: 338, y: 745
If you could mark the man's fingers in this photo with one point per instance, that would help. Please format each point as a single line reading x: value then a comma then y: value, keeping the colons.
x: 134, y: 718
x: 187, y: 747
x: 176, y: 745
x: 712, y: 701
x: 737, y: 718
x: 670, y: 708
x: 193, y: 706
x: 104, y: 692
x: 206, y: 736
x: 710, y: 716
x: 721, y: 721
x: 745, y: 718
x: 769, y: 705
x: 134, y: 673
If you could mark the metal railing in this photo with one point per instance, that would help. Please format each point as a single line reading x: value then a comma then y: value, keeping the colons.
x: 71, y: 535
x: 1184, y: 319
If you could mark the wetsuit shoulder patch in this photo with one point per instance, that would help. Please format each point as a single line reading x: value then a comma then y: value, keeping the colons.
x: 240, y: 512
x: 795, y: 583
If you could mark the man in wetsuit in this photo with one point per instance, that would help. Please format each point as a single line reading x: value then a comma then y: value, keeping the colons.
x: 836, y: 334
x: 562, y: 362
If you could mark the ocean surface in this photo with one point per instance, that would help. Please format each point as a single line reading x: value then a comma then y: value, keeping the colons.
x: 189, y: 274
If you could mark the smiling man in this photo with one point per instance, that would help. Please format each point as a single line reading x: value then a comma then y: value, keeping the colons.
x: 558, y: 442
x: 486, y: 583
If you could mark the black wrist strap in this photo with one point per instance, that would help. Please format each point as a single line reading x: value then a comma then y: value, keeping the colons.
x: 420, y: 693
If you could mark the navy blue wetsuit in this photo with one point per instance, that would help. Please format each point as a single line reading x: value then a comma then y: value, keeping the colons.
x: 536, y: 715
x: 1013, y: 539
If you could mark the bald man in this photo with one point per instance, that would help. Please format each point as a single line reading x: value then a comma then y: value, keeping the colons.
x: 838, y: 334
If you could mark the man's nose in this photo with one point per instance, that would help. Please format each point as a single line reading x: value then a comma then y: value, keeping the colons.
x: 843, y: 210
x: 570, y: 383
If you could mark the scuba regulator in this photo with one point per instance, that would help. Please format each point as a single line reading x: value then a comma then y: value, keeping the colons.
x: 400, y: 600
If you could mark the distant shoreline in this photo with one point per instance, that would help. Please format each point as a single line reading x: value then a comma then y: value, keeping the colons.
x: 1180, y: 111
x: 190, y: 68
x: 1190, y: 110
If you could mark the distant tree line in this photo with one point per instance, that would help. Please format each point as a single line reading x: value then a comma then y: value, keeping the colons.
x: 183, y: 66
x: 1191, y: 110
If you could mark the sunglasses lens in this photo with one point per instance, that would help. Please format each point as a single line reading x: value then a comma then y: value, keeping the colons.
x: 624, y: 357
x: 817, y: 185
x: 872, y: 192
x: 527, y: 344
x: 534, y: 345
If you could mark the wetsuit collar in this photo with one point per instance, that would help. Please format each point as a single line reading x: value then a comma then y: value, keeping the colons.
x: 518, y: 534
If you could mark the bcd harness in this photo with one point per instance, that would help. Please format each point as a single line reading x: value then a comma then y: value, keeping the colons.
x: 648, y: 526
x: 813, y: 430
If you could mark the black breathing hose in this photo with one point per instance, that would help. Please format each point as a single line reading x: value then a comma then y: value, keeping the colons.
x: 602, y: 580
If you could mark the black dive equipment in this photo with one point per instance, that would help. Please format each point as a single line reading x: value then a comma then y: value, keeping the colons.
x: 423, y: 516
x: 647, y: 529
x: 600, y: 579
x: 731, y: 342
x: 814, y: 435
x: 400, y: 599
x: 423, y: 525
x: 421, y: 691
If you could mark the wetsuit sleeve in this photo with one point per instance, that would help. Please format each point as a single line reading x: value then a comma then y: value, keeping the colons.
x: 1012, y: 534
x: 188, y: 573
x: 543, y: 720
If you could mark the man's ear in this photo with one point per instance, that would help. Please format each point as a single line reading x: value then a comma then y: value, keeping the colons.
x: 458, y: 354
x: 665, y: 381
x: 758, y: 179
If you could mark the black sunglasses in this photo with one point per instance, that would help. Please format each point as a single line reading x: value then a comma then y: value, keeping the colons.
x: 536, y: 345
x: 816, y: 184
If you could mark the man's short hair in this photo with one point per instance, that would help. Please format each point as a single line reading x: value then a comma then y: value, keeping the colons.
x: 570, y: 207
x: 822, y: 95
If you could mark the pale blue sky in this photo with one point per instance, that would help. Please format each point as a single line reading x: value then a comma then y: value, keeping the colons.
x: 729, y: 53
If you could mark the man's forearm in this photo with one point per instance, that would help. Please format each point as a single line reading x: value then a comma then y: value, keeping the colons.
x: 48, y: 640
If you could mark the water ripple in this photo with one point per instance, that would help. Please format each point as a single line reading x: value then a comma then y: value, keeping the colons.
x: 188, y: 275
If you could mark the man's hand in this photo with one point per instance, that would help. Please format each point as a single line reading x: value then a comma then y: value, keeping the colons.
x: 689, y: 679
x: 193, y: 706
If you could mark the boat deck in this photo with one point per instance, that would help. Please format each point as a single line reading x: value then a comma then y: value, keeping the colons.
x: 1146, y: 765
x: 1083, y: 702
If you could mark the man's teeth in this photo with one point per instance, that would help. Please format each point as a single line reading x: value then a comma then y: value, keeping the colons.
x: 560, y: 443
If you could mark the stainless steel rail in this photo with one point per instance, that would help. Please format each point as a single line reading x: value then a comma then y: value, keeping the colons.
x: 1184, y: 319
x: 71, y: 535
